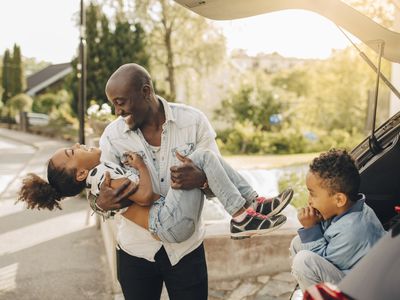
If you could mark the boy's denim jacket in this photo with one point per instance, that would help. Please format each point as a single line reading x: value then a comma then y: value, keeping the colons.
x: 344, y: 239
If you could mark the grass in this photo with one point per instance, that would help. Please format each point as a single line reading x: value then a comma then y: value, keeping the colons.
x: 269, y: 161
x: 291, y: 178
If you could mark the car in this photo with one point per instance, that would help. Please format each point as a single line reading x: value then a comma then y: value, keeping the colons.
x: 35, y: 119
x: 378, y: 155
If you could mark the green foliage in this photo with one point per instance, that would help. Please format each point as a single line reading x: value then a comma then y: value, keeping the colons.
x: 107, y: 50
x: 247, y: 139
x: 323, y: 103
x: 297, y: 181
x: 294, y: 80
x: 182, y: 44
x: 20, y: 102
x: 337, y: 138
x: 13, y: 79
x: 18, y: 77
x: 45, y: 103
x: 50, y: 102
x: 242, y: 138
x: 381, y: 11
x: 253, y: 104
x: 32, y: 65
x: 6, y: 76
x: 288, y: 140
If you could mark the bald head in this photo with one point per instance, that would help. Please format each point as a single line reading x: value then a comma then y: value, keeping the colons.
x: 131, y: 75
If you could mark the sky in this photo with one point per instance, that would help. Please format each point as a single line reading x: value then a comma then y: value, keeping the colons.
x: 46, y: 30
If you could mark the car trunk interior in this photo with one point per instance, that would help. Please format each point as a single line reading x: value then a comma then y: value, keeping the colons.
x: 380, y: 171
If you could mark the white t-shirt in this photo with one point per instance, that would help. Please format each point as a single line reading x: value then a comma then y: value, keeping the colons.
x: 97, y: 174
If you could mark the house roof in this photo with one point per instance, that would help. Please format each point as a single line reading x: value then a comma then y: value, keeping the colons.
x: 47, y: 76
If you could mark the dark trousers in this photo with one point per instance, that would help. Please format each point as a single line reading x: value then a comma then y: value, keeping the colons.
x: 141, y: 279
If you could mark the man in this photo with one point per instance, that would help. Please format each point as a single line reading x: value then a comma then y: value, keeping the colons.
x: 150, y: 125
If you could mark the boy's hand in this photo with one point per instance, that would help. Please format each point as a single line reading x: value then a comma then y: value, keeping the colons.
x: 308, y: 216
x: 133, y: 159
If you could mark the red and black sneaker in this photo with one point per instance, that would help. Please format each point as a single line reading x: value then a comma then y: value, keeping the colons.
x: 255, y: 224
x: 272, y: 206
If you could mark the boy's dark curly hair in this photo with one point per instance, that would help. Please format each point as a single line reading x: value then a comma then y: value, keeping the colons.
x: 338, y: 171
x: 38, y: 193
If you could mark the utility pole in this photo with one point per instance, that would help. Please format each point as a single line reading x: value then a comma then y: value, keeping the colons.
x: 82, y: 74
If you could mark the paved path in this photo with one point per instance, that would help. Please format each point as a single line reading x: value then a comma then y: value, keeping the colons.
x: 45, y: 255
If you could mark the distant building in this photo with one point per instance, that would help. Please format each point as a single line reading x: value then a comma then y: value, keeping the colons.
x: 269, y: 63
x: 207, y: 93
x: 49, y: 78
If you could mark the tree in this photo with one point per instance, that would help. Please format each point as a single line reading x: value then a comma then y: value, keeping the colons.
x: 183, y: 44
x: 108, y: 49
x: 32, y: 65
x: 254, y: 104
x: 45, y: 103
x: 335, y: 94
x: 381, y: 11
x: 18, y: 77
x: 50, y: 102
x: 293, y: 80
x: 20, y: 102
x: 6, y: 76
x: 13, y: 80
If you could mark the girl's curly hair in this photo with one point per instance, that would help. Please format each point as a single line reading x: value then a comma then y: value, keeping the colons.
x: 338, y: 171
x: 38, y: 193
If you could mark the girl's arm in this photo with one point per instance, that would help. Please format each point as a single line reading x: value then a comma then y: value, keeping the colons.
x: 144, y: 195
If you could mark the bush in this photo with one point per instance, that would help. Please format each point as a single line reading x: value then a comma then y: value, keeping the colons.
x: 99, y: 117
x: 337, y: 138
x: 20, y: 102
x: 242, y: 138
x: 297, y: 181
x: 285, y: 141
x: 247, y: 139
x: 45, y: 103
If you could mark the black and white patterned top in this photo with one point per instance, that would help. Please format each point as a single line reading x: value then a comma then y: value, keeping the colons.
x: 97, y: 174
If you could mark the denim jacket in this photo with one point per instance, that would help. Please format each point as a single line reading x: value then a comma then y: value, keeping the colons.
x: 346, y: 238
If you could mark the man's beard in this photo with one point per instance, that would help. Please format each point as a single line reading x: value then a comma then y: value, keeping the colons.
x: 131, y: 123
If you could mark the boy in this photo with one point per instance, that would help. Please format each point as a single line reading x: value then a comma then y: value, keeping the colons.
x: 338, y: 227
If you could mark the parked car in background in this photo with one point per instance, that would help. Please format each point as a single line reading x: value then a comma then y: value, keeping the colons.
x: 34, y: 119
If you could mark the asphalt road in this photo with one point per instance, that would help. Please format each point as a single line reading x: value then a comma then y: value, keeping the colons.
x: 45, y: 254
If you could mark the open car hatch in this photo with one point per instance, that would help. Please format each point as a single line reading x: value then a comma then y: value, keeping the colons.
x: 365, y: 29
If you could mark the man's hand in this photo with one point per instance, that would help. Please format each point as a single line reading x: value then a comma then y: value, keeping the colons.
x: 110, y: 199
x: 308, y: 216
x: 186, y: 176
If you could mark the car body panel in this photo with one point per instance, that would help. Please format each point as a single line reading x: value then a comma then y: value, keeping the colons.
x: 376, y: 276
x: 362, y: 27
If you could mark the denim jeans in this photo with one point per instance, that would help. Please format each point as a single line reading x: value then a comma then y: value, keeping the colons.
x: 174, y: 218
x: 310, y: 268
x: 141, y: 279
